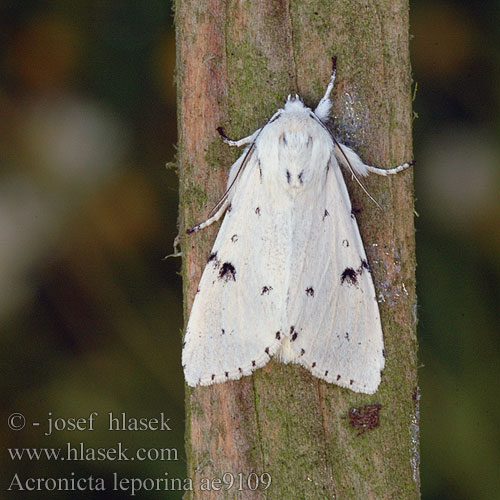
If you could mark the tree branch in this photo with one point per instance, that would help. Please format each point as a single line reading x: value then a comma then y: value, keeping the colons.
x: 236, y: 63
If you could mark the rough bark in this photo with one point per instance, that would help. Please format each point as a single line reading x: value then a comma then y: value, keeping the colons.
x: 236, y: 63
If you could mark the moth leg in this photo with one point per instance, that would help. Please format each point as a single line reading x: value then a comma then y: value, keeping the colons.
x: 322, y: 110
x: 241, y: 142
x: 347, y: 157
x: 390, y: 171
x: 215, y: 217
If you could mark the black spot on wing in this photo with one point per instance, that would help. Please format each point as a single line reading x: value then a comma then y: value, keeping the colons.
x: 266, y: 290
x: 266, y: 350
x: 310, y: 291
x: 301, y: 175
x: 234, y: 238
x: 213, y: 258
x: 293, y: 334
x: 349, y: 276
x: 345, y: 243
x: 257, y: 210
x: 326, y: 214
x: 288, y: 176
x: 227, y: 272
x: 338, y: 378
x: 313, y: 365
x: 302, y: 352
x: 364, y: 266
x: 278, y: 335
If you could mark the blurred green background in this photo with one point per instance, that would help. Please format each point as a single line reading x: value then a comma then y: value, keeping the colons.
x: 90, y: 314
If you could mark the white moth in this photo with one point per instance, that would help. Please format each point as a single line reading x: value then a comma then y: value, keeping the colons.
x: 288, y: 275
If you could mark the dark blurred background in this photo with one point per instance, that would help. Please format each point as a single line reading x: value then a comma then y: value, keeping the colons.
x: 90, y: 314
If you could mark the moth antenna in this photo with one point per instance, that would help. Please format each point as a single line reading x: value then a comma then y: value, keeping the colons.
x: 353, y: 173
x: 348, y: 163
x: 226, y: 193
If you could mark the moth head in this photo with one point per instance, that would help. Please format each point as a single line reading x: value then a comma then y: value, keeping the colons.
x: 294, y: 104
